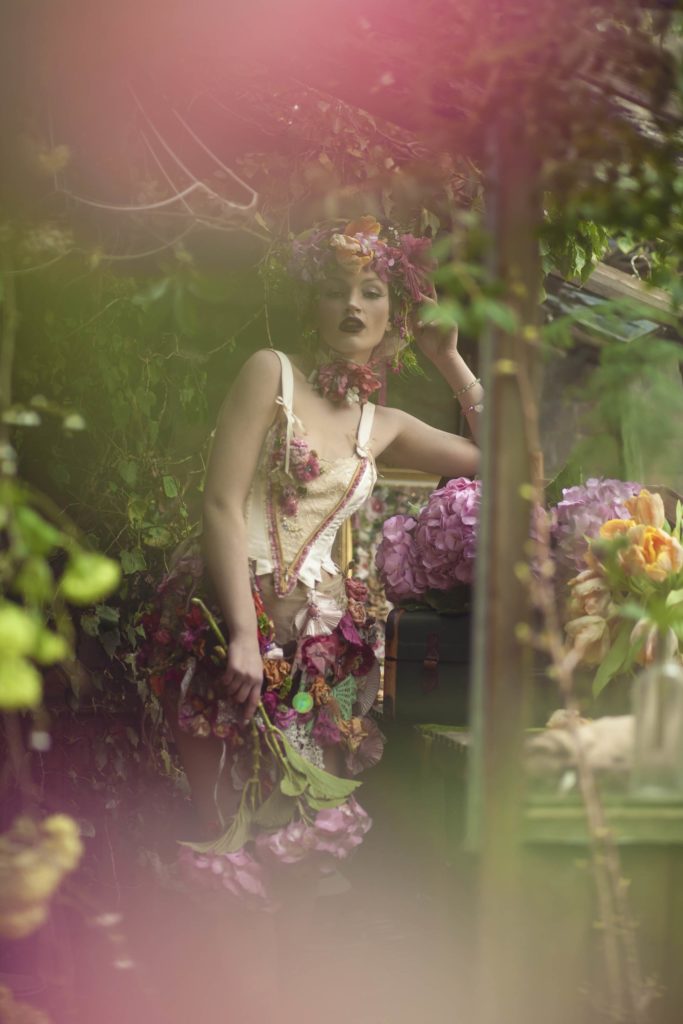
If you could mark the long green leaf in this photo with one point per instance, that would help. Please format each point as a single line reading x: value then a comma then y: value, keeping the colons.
x: 234, y: 839
x: 614, y: 659
x: 325, y: 785
x: 276, y: 811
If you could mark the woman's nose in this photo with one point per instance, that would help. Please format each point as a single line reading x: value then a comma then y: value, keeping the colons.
x: 353, y: 303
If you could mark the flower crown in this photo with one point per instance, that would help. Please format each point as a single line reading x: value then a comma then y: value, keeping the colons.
x: 403, y: 262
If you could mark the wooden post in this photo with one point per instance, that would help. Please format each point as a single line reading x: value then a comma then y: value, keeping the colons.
x: 502, y: 666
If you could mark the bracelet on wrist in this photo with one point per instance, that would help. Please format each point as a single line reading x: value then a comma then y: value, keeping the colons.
x: 467, y: 387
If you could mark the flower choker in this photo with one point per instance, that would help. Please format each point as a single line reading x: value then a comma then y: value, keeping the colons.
x: 345, y: 382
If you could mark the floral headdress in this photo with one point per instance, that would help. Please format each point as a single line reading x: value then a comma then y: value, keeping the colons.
x: 403, y: 262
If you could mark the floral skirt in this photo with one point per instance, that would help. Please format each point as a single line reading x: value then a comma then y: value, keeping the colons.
x: 320, y: 657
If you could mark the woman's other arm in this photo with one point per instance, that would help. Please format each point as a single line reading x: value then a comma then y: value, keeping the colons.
x: 407, y: 443
x: 242, y: 424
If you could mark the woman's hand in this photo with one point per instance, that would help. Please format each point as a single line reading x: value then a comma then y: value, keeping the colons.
x: 243, y: 677
x: 439, y: 347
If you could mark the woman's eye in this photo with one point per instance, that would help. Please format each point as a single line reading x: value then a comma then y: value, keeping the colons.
x: 373, y: 295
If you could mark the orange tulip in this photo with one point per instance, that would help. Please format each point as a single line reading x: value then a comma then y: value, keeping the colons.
x: 615, y: 528
x: 652, y: 553
x: 647, y: 509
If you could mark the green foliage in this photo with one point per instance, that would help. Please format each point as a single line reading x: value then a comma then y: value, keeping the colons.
x: 636, y: 403
x: 43, y: 567
x: 573, y: 253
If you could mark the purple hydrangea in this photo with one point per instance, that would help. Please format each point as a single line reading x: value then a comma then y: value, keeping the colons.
x: 446, y: 534
x: 582, y: 512
x: 397, y: 560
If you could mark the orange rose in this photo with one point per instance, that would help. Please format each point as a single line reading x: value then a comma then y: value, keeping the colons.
x: 366, y: 225
x: 590, y: 594
x: 647, y: 509
x: 320, y: 691
x: 357, y: 612
x: 353, y: 732
x: 349, y: 252
x: 590, y: 637
x: 276, y: 671
x: 652, y: 553
x: 651, y: 644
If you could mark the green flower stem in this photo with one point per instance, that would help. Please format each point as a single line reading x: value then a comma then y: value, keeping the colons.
x: 272, y: 734
x: 256, y: 772
x: 211, y: 620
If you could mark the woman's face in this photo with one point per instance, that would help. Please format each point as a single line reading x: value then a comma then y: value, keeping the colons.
x: 353, y: 313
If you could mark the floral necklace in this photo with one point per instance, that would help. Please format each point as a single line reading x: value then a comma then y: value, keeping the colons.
x: 345, y: 382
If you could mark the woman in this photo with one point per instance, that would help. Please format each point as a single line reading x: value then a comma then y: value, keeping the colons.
x: 293, y: 455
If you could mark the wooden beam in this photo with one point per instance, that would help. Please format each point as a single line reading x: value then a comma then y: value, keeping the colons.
x: 611, y: 283
x: 502, y: 665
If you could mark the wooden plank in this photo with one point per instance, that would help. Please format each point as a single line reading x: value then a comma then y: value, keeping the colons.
x: 611, y: 283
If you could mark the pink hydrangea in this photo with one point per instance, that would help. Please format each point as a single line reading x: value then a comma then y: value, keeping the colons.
x: 446, y: 534
x: 583, y: 509
x: 338, y: 830
x: 288, y: 845
x: 239, y: 872
x: 397, y: 561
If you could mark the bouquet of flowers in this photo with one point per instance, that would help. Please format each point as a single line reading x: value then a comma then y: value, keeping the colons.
x: 631, y: 569
x: 290, y: 810
x: 433, y: 551
x: 317, y: 693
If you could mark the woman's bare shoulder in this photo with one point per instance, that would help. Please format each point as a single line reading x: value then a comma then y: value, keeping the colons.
x: 387, y: 425
x: 388, y: 418
x: 263, y: 365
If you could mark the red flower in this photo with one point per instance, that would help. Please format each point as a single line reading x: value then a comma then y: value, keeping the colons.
x: 358, y: 657
x: 356, y: 590
x: 319, y: 654
x: 156, y: 684
x: 341, y: 381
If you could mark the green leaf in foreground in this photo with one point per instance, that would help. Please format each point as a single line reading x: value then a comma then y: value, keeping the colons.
x: 614, y: 659
x: 234, y: 839
x: 21, y: 686
x: 276, y: 811
x: 325, y: 785
x: 89, y: 578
